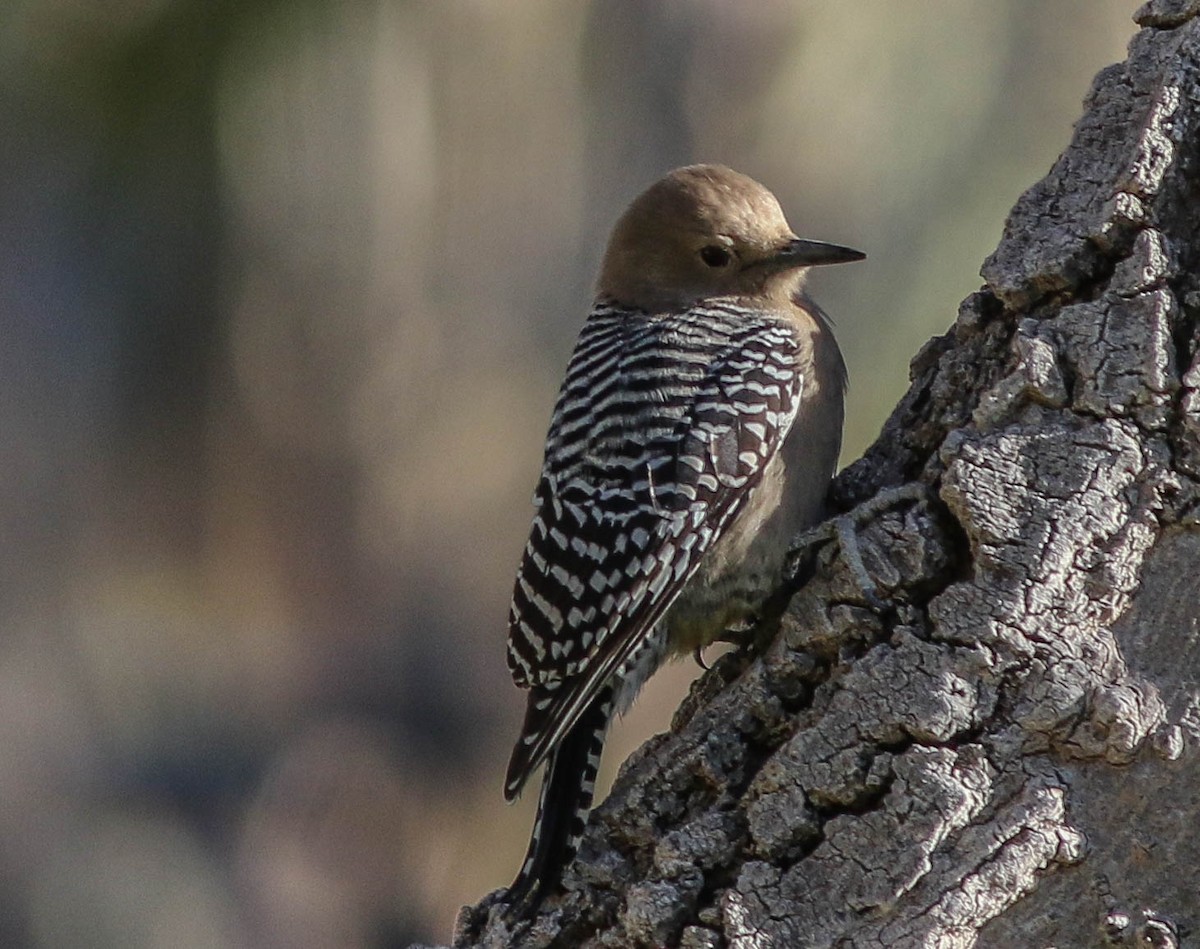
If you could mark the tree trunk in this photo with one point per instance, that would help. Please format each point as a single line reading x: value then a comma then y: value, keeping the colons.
x: 1002, y: 748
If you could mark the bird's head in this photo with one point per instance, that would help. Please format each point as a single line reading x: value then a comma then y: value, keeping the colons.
x: 706, y: 231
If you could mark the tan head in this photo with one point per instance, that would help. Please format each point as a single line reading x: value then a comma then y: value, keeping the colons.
x: 707, y: 231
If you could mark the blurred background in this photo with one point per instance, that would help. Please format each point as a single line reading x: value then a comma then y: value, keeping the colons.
x: 286, y: 292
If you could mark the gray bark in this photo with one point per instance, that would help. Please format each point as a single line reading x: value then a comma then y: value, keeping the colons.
x: 1006, y: 750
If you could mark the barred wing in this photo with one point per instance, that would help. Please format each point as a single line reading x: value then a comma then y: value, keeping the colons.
x: 664, y: 425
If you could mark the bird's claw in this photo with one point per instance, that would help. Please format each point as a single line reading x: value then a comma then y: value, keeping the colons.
x: 844, y: 529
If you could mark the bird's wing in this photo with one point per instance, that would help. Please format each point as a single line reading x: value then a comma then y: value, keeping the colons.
x: 663, y: 426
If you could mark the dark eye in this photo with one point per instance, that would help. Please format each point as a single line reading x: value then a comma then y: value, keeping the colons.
x: 715, y: 256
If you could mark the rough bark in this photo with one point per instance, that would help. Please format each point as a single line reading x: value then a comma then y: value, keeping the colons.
x: 1006, y: 751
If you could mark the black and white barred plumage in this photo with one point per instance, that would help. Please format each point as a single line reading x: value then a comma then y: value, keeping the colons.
x: 695, y: 434
x: 664, y: 426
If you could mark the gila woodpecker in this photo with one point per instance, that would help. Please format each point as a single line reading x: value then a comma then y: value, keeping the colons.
x: 695, y: 434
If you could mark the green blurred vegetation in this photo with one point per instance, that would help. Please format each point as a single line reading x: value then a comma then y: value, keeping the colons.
x: 286, y: 290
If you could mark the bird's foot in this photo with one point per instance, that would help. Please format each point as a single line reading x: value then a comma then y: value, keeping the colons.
x: 738, y: 635
x: 844, y: 529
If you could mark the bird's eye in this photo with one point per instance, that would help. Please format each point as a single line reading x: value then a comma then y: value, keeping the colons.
x: 715, y: 256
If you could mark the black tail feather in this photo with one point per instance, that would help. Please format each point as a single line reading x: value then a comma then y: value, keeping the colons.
x: 563, y: 805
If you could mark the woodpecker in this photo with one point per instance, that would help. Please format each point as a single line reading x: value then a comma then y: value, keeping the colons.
x: 694, y: 436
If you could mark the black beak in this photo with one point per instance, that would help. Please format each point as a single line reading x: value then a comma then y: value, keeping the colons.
x: 801, y: 253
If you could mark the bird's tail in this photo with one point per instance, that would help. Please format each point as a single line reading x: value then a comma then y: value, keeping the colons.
x: 563, y: 806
